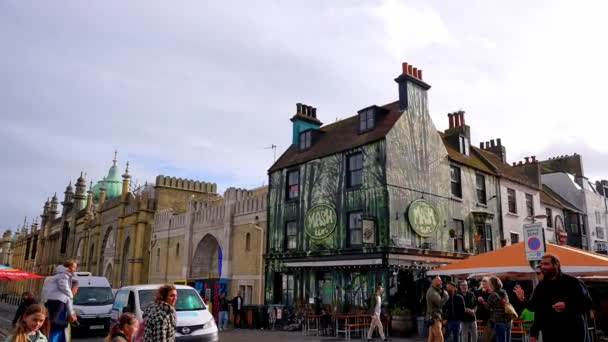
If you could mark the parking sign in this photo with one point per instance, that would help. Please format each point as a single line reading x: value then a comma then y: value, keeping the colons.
x: 534, y: 239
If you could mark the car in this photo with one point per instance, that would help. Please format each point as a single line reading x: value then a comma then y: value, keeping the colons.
x: 92, y: 303
x: 194, y: 321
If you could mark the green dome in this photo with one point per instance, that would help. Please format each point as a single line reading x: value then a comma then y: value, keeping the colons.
x: 112, y: 183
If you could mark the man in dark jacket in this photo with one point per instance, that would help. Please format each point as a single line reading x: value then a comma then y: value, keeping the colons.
x: 561, y: 303
x: 469, y: 322
x: 237, y: 309
x: 454, y: 312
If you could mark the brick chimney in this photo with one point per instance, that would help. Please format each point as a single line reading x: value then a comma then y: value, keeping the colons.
x: 571, y: 164
x: 410, y: 82
x: 305, y: 118
x: 531, y: 168
x: 496, y: 147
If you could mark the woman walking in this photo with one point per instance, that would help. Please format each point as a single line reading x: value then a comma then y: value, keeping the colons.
x: 160, y: 317
x: 124, y: 330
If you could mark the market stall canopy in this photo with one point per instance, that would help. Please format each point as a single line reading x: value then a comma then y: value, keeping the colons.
x: 512, y: 260
x: 9, y: 273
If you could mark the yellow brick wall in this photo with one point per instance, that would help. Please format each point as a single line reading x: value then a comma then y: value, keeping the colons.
x: 177, y: 198
x: 170, y: 264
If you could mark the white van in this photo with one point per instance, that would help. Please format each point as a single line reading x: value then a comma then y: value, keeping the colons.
x: 92, y: 303
x: 194, y: 321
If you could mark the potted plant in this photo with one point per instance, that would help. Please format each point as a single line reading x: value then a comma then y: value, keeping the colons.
x: 401, y: 322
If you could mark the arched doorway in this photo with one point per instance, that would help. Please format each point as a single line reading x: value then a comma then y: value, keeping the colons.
x: 91, y: 258
x: 104, y: 245
x: 207, y: 261
x: 124, y: 263
x: 80, y: 250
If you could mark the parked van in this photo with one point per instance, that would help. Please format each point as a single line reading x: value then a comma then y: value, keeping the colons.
x: 92, y: 303
x: 194, y: 321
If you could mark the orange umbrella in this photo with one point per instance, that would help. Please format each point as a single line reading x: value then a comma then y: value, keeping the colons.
x: 512, y: 259
x: 9, y: 273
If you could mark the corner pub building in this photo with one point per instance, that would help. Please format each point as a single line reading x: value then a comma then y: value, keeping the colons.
x: 362, y: 201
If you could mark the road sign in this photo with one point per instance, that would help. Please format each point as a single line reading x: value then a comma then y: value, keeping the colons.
x: 534, y: 239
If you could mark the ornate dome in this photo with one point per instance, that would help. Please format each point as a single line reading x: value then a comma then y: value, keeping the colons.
x: 112, y: 183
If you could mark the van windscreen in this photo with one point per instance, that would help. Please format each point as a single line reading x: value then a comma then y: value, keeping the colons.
x: 187, y: 300
x: 93, y: 296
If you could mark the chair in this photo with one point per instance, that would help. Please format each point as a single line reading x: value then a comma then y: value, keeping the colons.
x: 518, y: 331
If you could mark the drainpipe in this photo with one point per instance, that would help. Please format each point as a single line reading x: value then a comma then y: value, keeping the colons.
x: 500, y: 220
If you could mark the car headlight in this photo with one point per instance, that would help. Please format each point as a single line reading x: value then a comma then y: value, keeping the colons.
x: 209, y: 324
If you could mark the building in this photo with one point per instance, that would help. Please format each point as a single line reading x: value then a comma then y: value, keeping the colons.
x: 368, y: 200
x: 107, y: 228
x: 562, y: 219
x: 216, y: 245
x: 565, y: 176
x: 5, y: 248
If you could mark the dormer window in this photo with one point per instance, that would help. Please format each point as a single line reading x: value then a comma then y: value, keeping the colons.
x: 305, y: 139
x: 463, y: 145
x: 367, y: 120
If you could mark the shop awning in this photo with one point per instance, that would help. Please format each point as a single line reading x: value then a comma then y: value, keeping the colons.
x: 512, y: 259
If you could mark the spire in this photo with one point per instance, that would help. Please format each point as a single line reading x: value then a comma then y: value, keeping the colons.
x: 125, y: 183
x: 115, y: 155
x: 126, y: 174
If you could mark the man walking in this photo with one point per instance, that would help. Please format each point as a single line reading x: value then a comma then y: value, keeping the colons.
x: 435, y: 299
x: 237, y: 309
x: 560, y: 304
x: 454, y: 312
x: 469, y: 322
x: 377, y: 309
x: 58, y: 298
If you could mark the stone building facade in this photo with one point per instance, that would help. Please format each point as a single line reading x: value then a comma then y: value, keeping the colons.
x: 216, y: 245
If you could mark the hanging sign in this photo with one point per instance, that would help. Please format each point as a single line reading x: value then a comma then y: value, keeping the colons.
x: 369, y: 231
x: 423, y: 217
x: 320, y: 221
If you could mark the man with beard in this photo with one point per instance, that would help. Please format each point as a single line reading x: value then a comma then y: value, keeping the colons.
x: 435, y: 300
x: 561, y: 303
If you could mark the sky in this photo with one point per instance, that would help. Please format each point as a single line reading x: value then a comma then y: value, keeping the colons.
x: 201, y: 89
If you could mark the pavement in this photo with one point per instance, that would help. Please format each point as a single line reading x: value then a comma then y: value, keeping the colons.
x: 7, y: 312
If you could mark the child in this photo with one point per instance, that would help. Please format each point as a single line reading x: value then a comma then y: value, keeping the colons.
x: 29, y: 326
x: 124, y: 330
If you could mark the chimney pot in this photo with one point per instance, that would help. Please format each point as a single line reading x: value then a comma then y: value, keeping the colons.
x: 420, y: 74
x: 409, y: 70
x: 298, y: 108
x: 307, y: 110
x: 520, y: 163
x: 498, y: 142
x: 514, y: 164
x: 533, y: 159
x: 451, y: 120
x: 456, y: 119
x: 493, y: 143
x: 527, y: 160
x: 404, y: 68
x: 481, y: 145
x: 415, y: 72
x: 461, y: 113
x: 314, y: 112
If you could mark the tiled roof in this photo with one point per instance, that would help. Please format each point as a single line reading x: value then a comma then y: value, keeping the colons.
x: 472, y: 161
x: 505, y: 170
x: 338, y: 137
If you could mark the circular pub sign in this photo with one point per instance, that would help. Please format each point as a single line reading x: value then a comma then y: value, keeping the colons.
x: 423, y: 217
x: 560, y: 232
x: 320, y: 221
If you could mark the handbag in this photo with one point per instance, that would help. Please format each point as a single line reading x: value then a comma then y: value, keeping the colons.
x: 510, y: 311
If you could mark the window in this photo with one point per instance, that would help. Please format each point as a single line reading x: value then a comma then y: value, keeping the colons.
x: 187, y: 300
x: 598, y: 218
x: 247, y: 293
x: 34, y: 246
x: 93, y: 296
x: 529, y: 205
x: 512, y: 201
x: 463, y: 145
x: 355, y: 170
x: 27, y: 248
x: 489, y: 238
x: 177, y: 250
x: 287, y: 287
x: 456, y: 184
x: 459, y: 236
x: 599, y: 231
x: 158, y: 260
x: 64, y: 237
x: 355, y: 229
x: 291, y: 235
x: 248, y: 242
x: 481, y: 189
x: 514, y: 238
x: 293, y: 185
x: 549, y: 214
x: 485, y: 238
x: 366, y: 120
x: 305, y: 139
